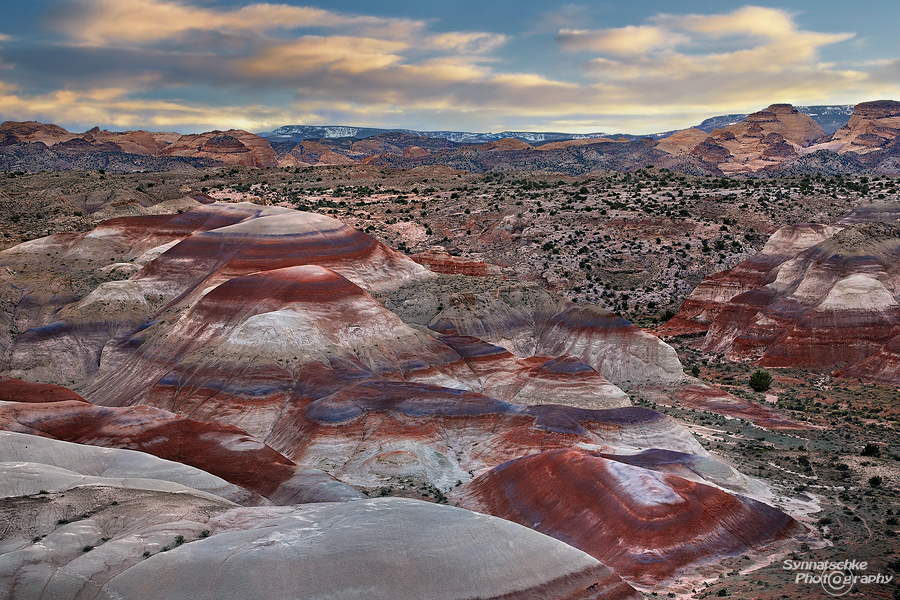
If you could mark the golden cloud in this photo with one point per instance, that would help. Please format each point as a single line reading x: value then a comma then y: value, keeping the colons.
x: 448, y: 69
x: 311, y: 53
x: 762, y: 51
x: 113, y: 107
x: 670, y: 71
x: 468, y: 42
x: 630, y: 40
x: 101, y: 22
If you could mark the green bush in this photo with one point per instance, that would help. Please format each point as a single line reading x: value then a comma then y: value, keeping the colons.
x: 871, y: 450
x: 760, y: 381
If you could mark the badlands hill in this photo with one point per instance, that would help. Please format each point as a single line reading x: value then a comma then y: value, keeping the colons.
x: 817, y: 296
x: 249, y: 343
x: 778, y: 139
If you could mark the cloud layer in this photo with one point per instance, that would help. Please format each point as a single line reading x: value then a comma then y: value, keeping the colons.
x: 180, y: 65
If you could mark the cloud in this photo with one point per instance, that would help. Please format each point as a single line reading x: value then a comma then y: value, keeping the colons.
x: 468, y: 42
x: 311, y: 53
x: 174, y: 64
x: 738, y: 59
x: 628, y: 40
x: 566, y: 16
x: 761, y: 34
x: 114, y: 107
x: 750, y: 20
x: 101, y: 22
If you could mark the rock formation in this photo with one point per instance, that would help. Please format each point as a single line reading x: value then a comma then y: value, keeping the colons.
x: 763, y: 139
x: 110, y: 541
x: 221, y: 450
x: 817, y: 296
x: 233, y: 147
x: 779, y: 138
x: 442, y: 262
x: 33, y: 463
x: 626, y: 515
x: 873, y: 126
x: 260, y: 344
x: 709, y: 298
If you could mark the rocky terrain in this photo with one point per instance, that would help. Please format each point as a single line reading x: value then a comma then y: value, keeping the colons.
x: 635, y: 243
x: 238, y: 369
x: 830, y: 118
x: 249, y: 341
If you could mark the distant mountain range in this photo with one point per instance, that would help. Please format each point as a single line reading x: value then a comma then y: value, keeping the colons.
x: 298, y: 133
x: 778, y: 140
x: 830, y: 118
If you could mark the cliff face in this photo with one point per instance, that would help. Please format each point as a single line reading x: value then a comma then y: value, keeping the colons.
x: 781, y: 139
x: 763, y: 139
x: 873, y: 126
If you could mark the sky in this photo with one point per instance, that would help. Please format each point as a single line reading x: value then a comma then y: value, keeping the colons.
x: 504, y: 65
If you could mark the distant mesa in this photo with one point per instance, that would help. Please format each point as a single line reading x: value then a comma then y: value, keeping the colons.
x: 779, y: 139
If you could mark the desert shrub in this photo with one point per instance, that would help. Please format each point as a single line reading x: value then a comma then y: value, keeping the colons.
x: 875, y: 481
x: 760, y: 380
x: 871, y: 450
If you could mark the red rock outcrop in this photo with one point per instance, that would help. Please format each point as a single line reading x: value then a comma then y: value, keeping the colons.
x: 182, y: 257
x: 682, y: 142
x: 620, y: 351
x: 237, y: 353
x: 17, y: 390
x: 712, y: 399
x: 764, y: 139
x: 532, y: 324
x: 311, y: 152
x: 507, y: 144
x: 232, y: 147
x: 708, y: 299
x: 625, y: 515
x: 278, y: 238
x: 442, y: 262
x: 380, y: 432
x: 536, y: 379
x: 872, y: 126
x: 144, y: 143
x: 32, y: 131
